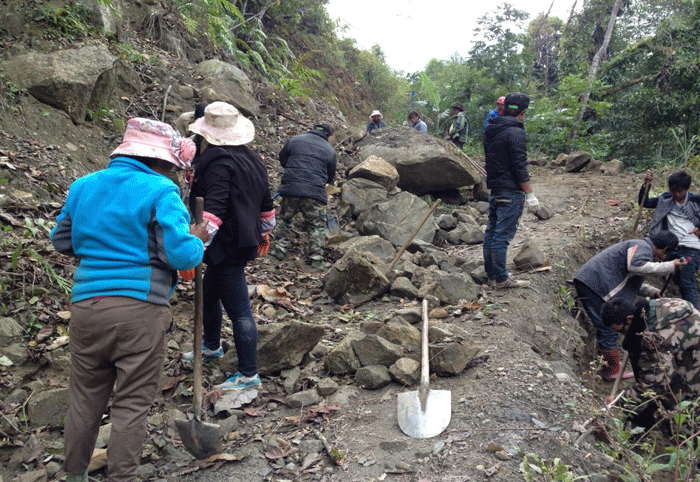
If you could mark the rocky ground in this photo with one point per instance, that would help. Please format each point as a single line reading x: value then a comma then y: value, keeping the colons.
x: 529, y: 389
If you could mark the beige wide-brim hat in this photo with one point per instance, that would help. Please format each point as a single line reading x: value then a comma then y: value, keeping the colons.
x: 223, y: 125
x: 375, y: 112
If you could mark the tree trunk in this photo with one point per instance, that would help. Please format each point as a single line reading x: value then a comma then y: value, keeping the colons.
x: 595, y: 63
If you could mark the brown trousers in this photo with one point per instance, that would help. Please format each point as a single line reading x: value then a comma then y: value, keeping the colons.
x: 115, y: 343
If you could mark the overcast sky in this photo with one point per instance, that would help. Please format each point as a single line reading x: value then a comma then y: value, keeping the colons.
x: 411, y: 32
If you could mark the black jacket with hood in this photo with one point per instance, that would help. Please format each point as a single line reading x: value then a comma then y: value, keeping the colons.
x: 309, y: 164
x: 506, y: 154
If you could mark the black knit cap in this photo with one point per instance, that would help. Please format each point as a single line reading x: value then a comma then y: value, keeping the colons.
x: 517, y: 102
x: 323, y: 126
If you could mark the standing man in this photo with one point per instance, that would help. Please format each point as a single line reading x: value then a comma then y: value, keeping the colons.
x: 375, y: 121
x: 416, y: 122
x: 678, y: 211
x: 618, y: 271
x: 457, y: 133
x: 509, y: 182
x: 662, y: 338
x: 309, y: 164
x: 495, y: 112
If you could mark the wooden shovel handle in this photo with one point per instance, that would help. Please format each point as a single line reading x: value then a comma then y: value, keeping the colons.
x: 408, y: 241
x: 425, y: 361
x: 647, y: 185
x: 198, y: 320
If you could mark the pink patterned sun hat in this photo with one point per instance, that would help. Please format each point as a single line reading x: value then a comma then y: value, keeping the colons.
x: 150, y: 138
x: 223, y: 125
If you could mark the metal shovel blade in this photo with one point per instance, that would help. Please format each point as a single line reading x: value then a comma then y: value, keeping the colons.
x: 424, y: 413
x: 424, y: 420
x: 201, y: 439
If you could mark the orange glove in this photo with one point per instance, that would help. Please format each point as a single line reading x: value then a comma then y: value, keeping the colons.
x: 264, y: 247
x: 187, y: 275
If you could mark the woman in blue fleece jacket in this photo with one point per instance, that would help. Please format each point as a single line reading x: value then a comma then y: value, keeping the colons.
x: 130, y: 231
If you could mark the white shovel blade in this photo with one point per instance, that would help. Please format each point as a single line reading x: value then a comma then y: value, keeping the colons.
x: 424, y: 422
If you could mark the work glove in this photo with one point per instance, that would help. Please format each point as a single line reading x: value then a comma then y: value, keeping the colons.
x: 264, y: 247
x: 187, y: 274
x: 533, y: 205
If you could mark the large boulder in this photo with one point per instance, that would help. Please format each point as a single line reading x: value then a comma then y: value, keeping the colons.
x: 424, y: 163
x: 397, y: 218
x: 227, y: 83
x: 70, y: 80
x: 577, y: 161
x: 376, y: 245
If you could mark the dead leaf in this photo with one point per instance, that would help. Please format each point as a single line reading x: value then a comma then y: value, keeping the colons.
x: 232, y: 400
x: 172, y: 381
x: 253, y: 412
x: 44, y: 334
x: 612, y: 202
x: 280, y: 453
x: 64, y: 315
x: 57, y: 343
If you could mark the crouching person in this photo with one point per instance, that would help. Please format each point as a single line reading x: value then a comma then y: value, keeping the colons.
x: 130, y: 231
x: 662, y: 337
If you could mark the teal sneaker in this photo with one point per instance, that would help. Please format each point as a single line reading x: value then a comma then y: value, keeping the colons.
x: 240, y: 382
x: 77, y: 477
x: 207, y: 354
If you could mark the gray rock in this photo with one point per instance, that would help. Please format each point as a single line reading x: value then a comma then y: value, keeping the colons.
x: 290, y: 378
x: 280, y: 346
x: 378, y: 170
x: 529, y: 256
x: 544, y: 212
x: 447, y: 222
x: 453, y: 288
x: 372, y: 377
x: 397, y: 218
x: 479, y: 275
x: 612, y: 167
x: 424, y: 163
x: 16, y: 397
x: 326, y: 387
x: 227, y: 425
x: 405, y: 371
x: 15, y: 352
x: 304, y: 398
x: 10, y: 331
x: 404, y: 335
x: 103, y: 435
x: 371, y: 327
x: 381, y: 248
x: 403, y: 288
x: 411, y: 315
x: 356, y: 279
x: 361, y: 194
x: 482, y: 207
x: 48, y: 407
x: 577, y: 161
x: 375, y: 350
x: 343, y: 396
x: 452, y: 359
x: 342, y: 359
x: 226, y: 82
x: 71, y: 80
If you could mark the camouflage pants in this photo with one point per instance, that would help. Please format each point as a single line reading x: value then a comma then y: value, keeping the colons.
x: 313, y: 213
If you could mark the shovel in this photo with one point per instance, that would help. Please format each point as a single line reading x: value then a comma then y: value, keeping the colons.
x: 424, y: 413
x: 200, y: 438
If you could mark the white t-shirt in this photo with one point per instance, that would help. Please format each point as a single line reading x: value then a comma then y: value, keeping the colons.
x: 679, y: 223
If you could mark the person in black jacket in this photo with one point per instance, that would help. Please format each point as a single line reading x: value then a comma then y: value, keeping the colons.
x: 309, y: 164
x: 233, y: 181
x: 509, y: 183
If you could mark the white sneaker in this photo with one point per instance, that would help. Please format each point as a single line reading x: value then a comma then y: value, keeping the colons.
x: 511, y: 283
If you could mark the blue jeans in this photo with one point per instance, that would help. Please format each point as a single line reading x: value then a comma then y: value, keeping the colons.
x: 685, y: 278
x: 505, y: 209
x: 593, y: 303
x: 226, y: 284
